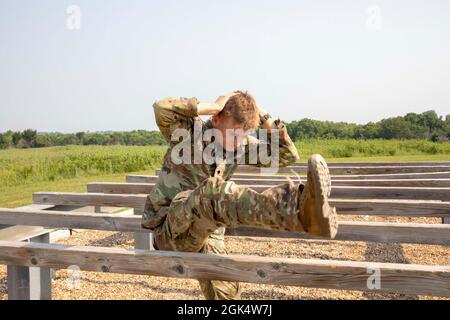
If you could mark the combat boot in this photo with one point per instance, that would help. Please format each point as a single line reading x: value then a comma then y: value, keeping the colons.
x: 318, y: 218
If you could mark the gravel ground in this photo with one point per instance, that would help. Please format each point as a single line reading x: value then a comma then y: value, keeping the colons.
x: 118, y: 286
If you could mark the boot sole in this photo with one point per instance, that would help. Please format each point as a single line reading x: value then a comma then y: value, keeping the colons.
x: 325, y: 214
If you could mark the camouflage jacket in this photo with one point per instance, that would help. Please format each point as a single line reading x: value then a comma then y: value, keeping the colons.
x: 181, y: 113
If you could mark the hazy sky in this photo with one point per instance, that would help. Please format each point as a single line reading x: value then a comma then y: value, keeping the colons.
x: 341, y: 60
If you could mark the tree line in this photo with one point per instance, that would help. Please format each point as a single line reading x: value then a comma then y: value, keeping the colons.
x: 427, y: 125
x: 32, y: 139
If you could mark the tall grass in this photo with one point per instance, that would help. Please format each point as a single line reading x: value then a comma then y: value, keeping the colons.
x: 22, y: 166
x: 19, y: 167
x: 348, y: 148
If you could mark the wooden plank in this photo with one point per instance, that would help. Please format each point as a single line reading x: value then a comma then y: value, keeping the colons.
x: 22, y: 233
x: 345, y: 275
x: 354, y: 192
x: 348, y: 230
x: 142, y: 238
x: 18, y: 282
x: 363, y: 170
x: 417, y: 208
x: 383, y: 232
x: 27, y: 283
x: 16, y: 232
x: 357, y: 192
x: 386, y: 207
x: 136, y: 178
x: 430, y: 175
x: 355, y: 170
x: 383, y: 164
x: 437, y: 183
x: 40, y: 278
x: 90, y: 199
x: 74, y: 220
x: 119, y: 187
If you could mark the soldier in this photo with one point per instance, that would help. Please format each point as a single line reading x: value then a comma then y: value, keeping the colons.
x: 192, y: 203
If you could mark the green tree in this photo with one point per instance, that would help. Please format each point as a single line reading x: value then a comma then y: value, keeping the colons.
x: 29, y: 138
x: 16, y: 136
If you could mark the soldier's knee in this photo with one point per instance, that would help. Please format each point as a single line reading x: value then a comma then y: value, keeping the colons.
x: 217, y: 185
x: 214, y: 181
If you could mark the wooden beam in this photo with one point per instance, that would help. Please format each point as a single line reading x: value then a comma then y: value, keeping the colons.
x: 274, y: 180
x: 354, y: 192
x: 28, y: 283
x: 345, y: 275
x: 357, y: 192
x: 18, y: 278
x: 73, y: 220
x: 383, y: 164
x: 119, y: 187
x: 387, y: 207
x: 135, y: 201
x: 430, y: 175
x: 436, y: 183
x: 348, y: 230
x: 383, y: 232
x: 355, y: 170
x: 22, y: 232
x: 142, y: 238
x: 417, y: 208
x: 40, y: 278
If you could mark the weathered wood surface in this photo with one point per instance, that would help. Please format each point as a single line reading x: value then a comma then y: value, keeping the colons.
x: 417, y: 208
x: 16, y: 232
x: 436, y: 183
x: 274, y: 180
x: 386, y: 207
x: 351, y: 169
x: 346, y: 275
x: 348, y: 230
x: 355, y: 170
x: 384, y: 232
x: 383, y: 164
x: 28, y: 283
x: 22, y: 233
x: 142, y: 238
x: 136, y: 201
x: 353, y: 192
x: 394, y: 176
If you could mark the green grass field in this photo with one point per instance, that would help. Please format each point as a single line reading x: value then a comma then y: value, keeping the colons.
x: 372, y: 148
x: 69, y: 168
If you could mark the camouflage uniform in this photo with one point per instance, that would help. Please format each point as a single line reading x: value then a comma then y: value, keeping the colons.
x: 191, y: 204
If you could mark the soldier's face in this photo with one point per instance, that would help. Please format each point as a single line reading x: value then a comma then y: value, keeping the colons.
x: 230, y: 135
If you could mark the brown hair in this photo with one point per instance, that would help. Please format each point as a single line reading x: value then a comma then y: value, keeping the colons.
x: 242, y: 108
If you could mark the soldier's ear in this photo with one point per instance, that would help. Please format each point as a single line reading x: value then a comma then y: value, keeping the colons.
x: 215, y: 120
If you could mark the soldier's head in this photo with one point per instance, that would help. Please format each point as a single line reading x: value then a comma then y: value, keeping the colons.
x: 237, y: 118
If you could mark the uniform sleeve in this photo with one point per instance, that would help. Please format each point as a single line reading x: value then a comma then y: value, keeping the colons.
x: 175, y: 113
x: 286, y: 154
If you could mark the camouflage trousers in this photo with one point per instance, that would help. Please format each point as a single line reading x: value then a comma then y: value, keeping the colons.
x: 196, y: 221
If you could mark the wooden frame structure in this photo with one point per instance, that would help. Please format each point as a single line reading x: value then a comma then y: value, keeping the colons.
x: 382, y: 189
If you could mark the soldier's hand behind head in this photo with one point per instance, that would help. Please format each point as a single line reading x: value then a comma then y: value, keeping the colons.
x: 222, y: 100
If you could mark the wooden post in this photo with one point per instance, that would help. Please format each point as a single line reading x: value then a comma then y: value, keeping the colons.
x: 18, y: 282
x: 41, y: 278
x: 142, y: 240
x: 314, y: 273
x: 30, y: 283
